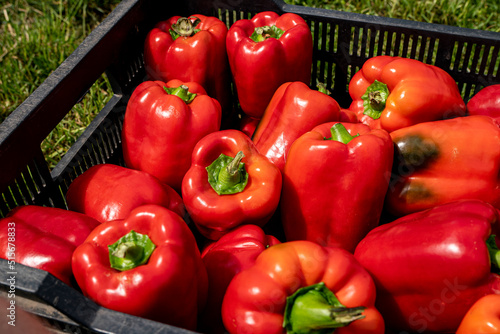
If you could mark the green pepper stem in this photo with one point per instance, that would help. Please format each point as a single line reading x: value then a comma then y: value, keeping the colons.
x: 340, y: 133
x: 184, y: 27
x: 231, y: 175
x: 182, y: 92
x: 130, y: 251
x: 227, y: 175
x: 374, y: 99
x: 314, y: 309
x: 494, y: 253
x: 260, y: 34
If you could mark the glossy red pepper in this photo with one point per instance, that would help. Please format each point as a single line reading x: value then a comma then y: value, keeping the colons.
x: 229, y: 184
x: 486, y: 102
x: 444, y: 161
x: 264, y: 52
x: 248, y: 124
x: 334, y: 183
x: 431, y: 266
x: 108, y: 192
x: 294, y: 109
x: 161, y: 128
x: 44, y: 238
x: 302, y: 287
x: 190, y: 49
x: 144, y: 265
x: 483, y: 317
x: 348, y: 116
x: 394, y: 92
x: 224, y: 258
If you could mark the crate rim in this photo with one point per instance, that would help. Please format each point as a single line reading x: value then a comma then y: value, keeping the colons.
x: 376, y: 20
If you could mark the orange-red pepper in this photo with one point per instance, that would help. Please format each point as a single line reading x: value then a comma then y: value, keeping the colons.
x: 483, y: 317
x: 444, y: 161
x: 224, y: 258
x: 229, y: 183
x: 298, y: 286
x: 393, y: 92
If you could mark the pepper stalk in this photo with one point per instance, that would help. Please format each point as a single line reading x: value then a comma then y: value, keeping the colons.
x: 260, y: 34
x: 184, y: 27
x: 339, y: 133
x: 182, y: 92
x: 316, y: 310
x: 130, y: 251
x: 374, y: 99
x: 227, y: 175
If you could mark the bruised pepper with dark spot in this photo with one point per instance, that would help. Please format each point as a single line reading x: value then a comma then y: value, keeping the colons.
x: 444, y: 161
x: 411, y: 153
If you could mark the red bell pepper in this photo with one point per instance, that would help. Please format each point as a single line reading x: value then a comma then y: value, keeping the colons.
x: 483, y: 317
x: 264, y: 52
x: 431, y: 266
x: 108, y: 192
x: 229, y: 184
x: 294, y: 109
x: 394, y: 92
x: 486, y: 102
x: 44, y: 238
x: 348, y: 116
x: 191, y: 49
x: 144, y: 265
x: 247, y: 125
x: 302, y: 287
x: 224, y: 258
x: 334, y: 183
x: 162, y: 126
x: 444, y: 161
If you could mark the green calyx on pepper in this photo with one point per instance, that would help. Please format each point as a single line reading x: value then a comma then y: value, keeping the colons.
x: 316, y: 310
x: 340, y: 134
x: 227, y: 175
x: 374, y: 99
x: 260, y: 34
x: 182, y: 92
x: 184, y: 27
x: 130, y: 251
x: 494, y: 254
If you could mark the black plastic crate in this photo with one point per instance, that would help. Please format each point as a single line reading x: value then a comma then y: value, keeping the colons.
x: 342, y: 43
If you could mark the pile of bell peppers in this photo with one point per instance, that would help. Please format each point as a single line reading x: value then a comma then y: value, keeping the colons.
x: 275, y: 209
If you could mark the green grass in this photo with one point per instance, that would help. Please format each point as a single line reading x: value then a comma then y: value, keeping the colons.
x: 37, y: 35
